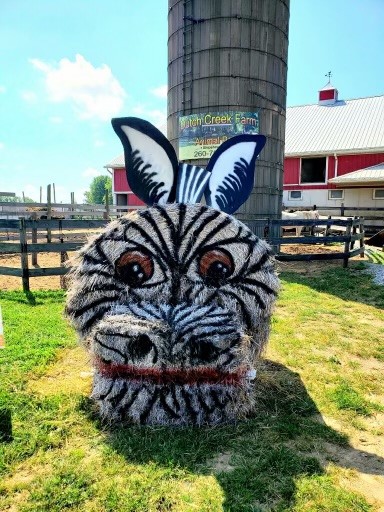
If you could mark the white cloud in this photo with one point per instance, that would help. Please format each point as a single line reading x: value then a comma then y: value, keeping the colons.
x: 39, y: 64
x: 139, y: 110
x: 158, y: 118
x: 154, y: 116
x: 62, y: 193
x: 29, y: 96
x: 91, y: 172
x: 99, y: 143
x: 93, y: 92
x: 160, y: 92
x: 2, y: 145
x: 32, y: 191
x: 2, y: 89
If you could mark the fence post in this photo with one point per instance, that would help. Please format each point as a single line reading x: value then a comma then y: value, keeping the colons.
x: 342, y: 209
x: 24, y: 255
x: 63, y: 259
x: 49, y: 213
x: 354, y: 229
x: 72, y: 203
x: 106, y: 213
x: 34, y: 237
x: 327, y: 230
x: 347, y: 243
x: 269, y: 229
x: 362, y: 234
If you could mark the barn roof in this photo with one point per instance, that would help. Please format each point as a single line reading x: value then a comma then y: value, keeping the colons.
x: 373, y: 174
x: 116, y: 163
x: 350, y: 126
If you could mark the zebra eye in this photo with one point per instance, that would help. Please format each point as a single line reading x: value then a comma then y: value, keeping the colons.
x: 215, y: 266
x: 134, y: 268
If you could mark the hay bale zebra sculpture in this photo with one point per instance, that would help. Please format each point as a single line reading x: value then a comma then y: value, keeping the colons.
x: 174, y: 301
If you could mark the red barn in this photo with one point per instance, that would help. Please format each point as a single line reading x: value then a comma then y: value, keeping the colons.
x: 122, y: 194
x: 334, y: 152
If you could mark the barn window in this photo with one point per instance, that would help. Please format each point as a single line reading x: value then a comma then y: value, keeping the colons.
x: 313, y: 170
x: 121, y: 199
x: 335, y: 194
x: 378, y: 193
x: 294, y: 195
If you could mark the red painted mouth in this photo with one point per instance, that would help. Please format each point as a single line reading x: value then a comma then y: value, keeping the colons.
x: 199, y: 375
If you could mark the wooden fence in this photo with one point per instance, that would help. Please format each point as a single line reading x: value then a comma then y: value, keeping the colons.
x: 26, y: 236
x: 373, y: 216
x: 62, y: 211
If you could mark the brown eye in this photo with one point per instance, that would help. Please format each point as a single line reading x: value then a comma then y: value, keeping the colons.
x: 134, y: 268
x: 215, y: 266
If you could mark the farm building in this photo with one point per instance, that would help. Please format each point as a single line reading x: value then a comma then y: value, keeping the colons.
x: 334, y: 152
x: 121, y: 192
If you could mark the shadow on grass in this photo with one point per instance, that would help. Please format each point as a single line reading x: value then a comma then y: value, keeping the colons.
x: 352, y: 284
x: 30, y: 298
x: 257, y: 461
x: 33, y: 298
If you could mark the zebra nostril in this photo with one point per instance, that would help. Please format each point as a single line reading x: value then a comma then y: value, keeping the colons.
x: 204, y: 351
x: 141, y: 346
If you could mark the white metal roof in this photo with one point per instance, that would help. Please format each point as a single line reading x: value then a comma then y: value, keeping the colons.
x: 350, y: 126
x: 372, y: 174
x: 328, y: 86
x: 116, y: 163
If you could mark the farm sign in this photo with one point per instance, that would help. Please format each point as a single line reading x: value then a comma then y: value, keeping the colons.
x: 201, y: 134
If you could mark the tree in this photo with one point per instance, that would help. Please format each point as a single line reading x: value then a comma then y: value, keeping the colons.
x: 16, y: 199
x: 97, y: 190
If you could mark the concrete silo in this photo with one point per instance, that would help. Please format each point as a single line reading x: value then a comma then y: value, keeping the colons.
x: 231, y: 55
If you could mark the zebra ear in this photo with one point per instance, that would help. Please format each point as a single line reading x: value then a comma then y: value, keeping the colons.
x: 150, y: 160
x: 232, y: 168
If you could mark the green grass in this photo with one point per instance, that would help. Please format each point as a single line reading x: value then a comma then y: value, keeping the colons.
x: 62, y: 459
x: 345, y: 397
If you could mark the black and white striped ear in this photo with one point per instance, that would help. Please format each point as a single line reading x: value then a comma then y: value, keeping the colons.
x: 150, y: 160
x: 232, y: 168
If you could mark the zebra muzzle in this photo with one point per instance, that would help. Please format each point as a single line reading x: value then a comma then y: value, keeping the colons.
x: 182, y: 344
x: 170, y: 365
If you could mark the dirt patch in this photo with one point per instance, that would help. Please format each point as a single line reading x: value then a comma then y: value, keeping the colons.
x: 312, y: 267
x: 44, y: 260
x: 72, y: 373
x: 221, y: 463
x: 358, y: 467
x: 367, y: 475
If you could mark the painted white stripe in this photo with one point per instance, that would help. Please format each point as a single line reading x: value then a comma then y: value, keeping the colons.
x: 192, y: 181
x: 199, y: 191
x: 182, y: 178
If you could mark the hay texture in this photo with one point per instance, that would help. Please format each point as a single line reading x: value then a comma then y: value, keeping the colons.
x: 174, y: 304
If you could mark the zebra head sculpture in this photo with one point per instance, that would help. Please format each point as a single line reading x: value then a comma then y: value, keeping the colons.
x: 174, y: 301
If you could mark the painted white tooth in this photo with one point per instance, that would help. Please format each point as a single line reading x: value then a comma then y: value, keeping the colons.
x: 251, y: 374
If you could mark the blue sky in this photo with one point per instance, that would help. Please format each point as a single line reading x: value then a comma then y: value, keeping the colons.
x: 68, y: 66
